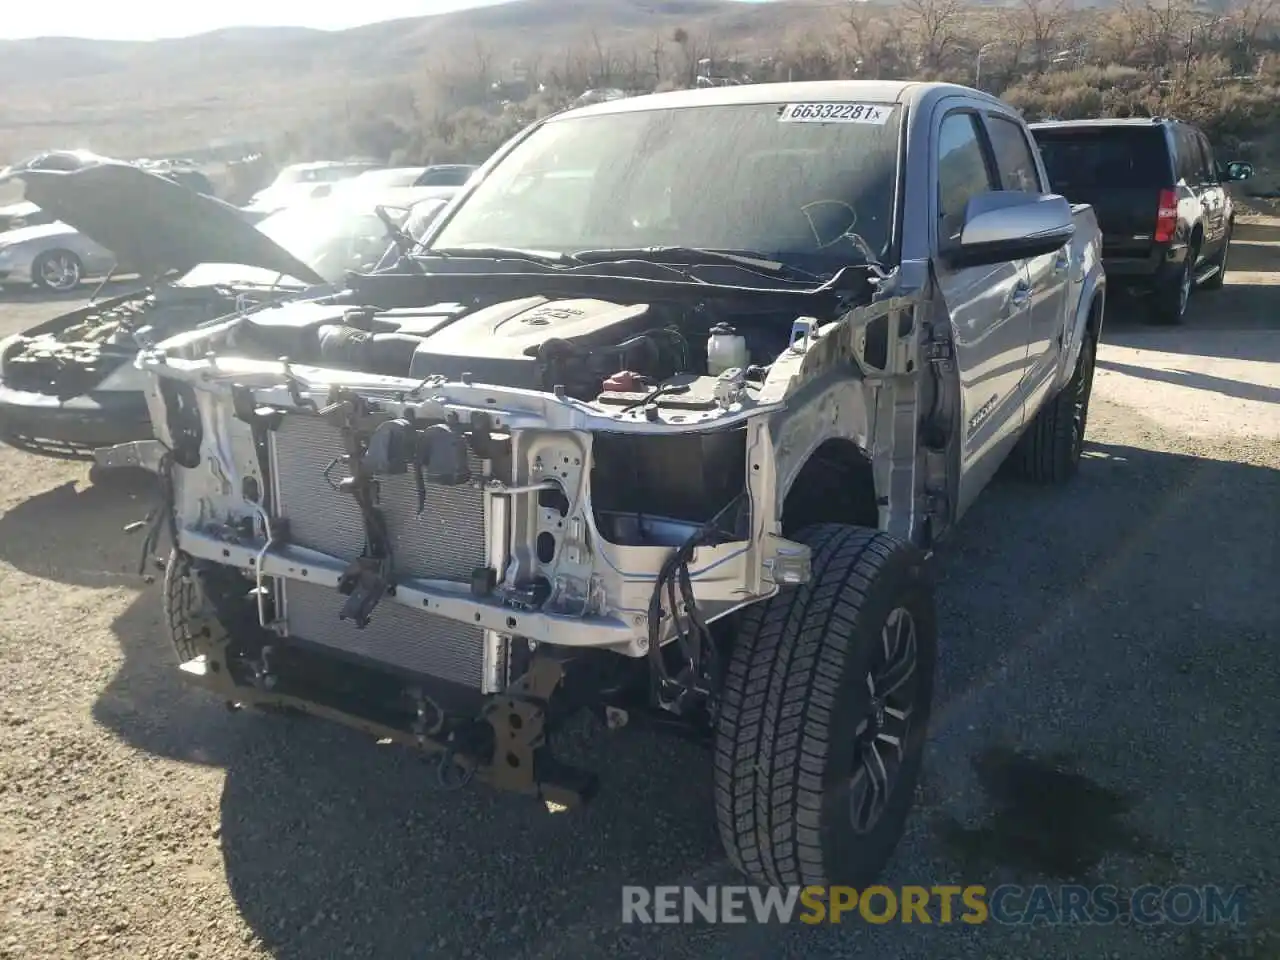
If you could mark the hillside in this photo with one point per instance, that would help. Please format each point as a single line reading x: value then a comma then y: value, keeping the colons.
x: 164, y: 95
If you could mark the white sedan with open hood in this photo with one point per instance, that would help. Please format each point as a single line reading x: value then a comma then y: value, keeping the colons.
x: 68, y: 386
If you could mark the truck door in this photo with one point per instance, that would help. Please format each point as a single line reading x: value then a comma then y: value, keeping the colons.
x: 1214, y: 199
x: 1049, y: 274
x: 1193, y: 164
x: 989, y: 306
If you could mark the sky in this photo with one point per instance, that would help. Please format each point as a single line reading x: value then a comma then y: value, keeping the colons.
x: 149, y: 20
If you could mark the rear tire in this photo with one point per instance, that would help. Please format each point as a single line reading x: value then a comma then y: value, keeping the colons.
x: 1169, y: 304
x: 1050, y: 449
x: 825, y: 712
x: 1220, y: 261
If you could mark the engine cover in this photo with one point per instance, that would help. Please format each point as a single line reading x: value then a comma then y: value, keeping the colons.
x: 500, y: 344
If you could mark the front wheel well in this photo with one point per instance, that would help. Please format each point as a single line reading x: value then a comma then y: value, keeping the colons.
x: 836, y: 485
x: 1093, y: 324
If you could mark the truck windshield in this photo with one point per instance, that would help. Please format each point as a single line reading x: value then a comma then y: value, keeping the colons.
x: 1076, y: 157
x: 726, y: 177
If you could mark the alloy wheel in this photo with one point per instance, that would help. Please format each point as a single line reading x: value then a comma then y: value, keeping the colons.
x: 1184, y: 287
x: 883, y: 732
x: 60, y: 272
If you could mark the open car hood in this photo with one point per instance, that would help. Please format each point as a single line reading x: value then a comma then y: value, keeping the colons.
x: 151, y: 224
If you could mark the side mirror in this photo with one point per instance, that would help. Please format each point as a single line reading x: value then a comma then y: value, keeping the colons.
x: 1239, y: 171
x: 1009, y: 225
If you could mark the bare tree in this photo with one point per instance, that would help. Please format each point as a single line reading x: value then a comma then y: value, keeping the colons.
x: 1154, y: 29
x: 603, y: 65
x: 659, y: 54
x: 1015, y: 32
x: 692, y: 52
x: 636, y: 69
x: 482, y: 62
x: 1255, y: 19
x: 935, y: 26
x: 1041, y: 24
x: 572, y: 74
x: 874, y: 44
x: 532, y: 63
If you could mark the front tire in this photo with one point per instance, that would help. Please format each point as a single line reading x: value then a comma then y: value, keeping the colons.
x: 57, y: 271
x: 825, y: 711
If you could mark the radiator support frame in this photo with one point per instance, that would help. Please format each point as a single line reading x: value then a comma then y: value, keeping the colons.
x: 326, y: 520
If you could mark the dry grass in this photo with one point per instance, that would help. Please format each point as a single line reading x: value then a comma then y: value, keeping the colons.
x: 421, y: 90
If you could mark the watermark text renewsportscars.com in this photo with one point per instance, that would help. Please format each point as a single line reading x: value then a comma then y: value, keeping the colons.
x: 1009, y: 904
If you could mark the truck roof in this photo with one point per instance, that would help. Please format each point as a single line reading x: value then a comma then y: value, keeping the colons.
x: 909, y: 92
x: 1101, y: 122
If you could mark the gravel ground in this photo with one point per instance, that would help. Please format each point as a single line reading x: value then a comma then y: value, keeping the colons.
x: 1105, y: 683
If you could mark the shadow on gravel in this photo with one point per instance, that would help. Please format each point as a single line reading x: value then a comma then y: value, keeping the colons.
x: 75, y: 532
x: 1255, y: 232
x: 1214, y: 324
x: 1198, y: 381
x: 334, y: 846
x: 1048, y: 820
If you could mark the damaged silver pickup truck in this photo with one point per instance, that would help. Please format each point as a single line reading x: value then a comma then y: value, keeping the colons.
x: 661, y: 420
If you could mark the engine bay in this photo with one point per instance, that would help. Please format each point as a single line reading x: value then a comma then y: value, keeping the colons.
x: 587, y: 348
x: 72, y: 355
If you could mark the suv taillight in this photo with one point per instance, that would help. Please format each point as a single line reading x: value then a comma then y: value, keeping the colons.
x: 1167, y: 216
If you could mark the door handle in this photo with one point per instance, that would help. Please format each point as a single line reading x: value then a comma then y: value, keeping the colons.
x: 1062, y: 263
x: 1019, y: 297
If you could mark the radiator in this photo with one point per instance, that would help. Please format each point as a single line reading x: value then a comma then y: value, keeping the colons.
x: 445, y: 542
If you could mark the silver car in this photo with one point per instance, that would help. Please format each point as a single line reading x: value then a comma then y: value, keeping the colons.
x: 53, y: 256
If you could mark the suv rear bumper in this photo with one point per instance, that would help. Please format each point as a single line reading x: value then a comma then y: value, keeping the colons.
x: 1160, y: 265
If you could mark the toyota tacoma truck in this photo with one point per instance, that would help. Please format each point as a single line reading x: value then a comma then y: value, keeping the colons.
x: 662, y: 419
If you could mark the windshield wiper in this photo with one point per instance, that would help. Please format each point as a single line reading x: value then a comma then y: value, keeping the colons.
x: 547, y: 257
x: 403, y: 242
x: 692, y: 256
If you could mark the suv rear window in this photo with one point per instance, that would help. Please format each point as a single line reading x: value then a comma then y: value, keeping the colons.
x: 1104, y: 157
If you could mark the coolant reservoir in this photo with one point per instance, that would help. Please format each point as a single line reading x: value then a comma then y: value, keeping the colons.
x: 725, y: 350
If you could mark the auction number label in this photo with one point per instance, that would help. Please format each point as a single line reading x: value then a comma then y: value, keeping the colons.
x: 876, y: 113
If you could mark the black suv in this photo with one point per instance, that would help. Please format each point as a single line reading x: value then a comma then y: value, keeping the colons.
x: 1157, y: 191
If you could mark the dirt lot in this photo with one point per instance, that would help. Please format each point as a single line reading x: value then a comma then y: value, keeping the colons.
x: 1106, y: 710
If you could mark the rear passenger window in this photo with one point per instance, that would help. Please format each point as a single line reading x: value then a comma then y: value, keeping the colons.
x: 962, y: 171
x: 1014, y: 160
x: 1191, y: 162
x: 1082, y: 157
x: 1210, y: 161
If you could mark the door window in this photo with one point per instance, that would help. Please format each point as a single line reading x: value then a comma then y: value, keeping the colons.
x: 1191, y: 160
x: 1210, y: 161
x: 1015, y: 162
x: 962, y: 171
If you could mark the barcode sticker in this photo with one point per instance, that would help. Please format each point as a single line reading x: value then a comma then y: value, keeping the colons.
x: 877, y: 113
